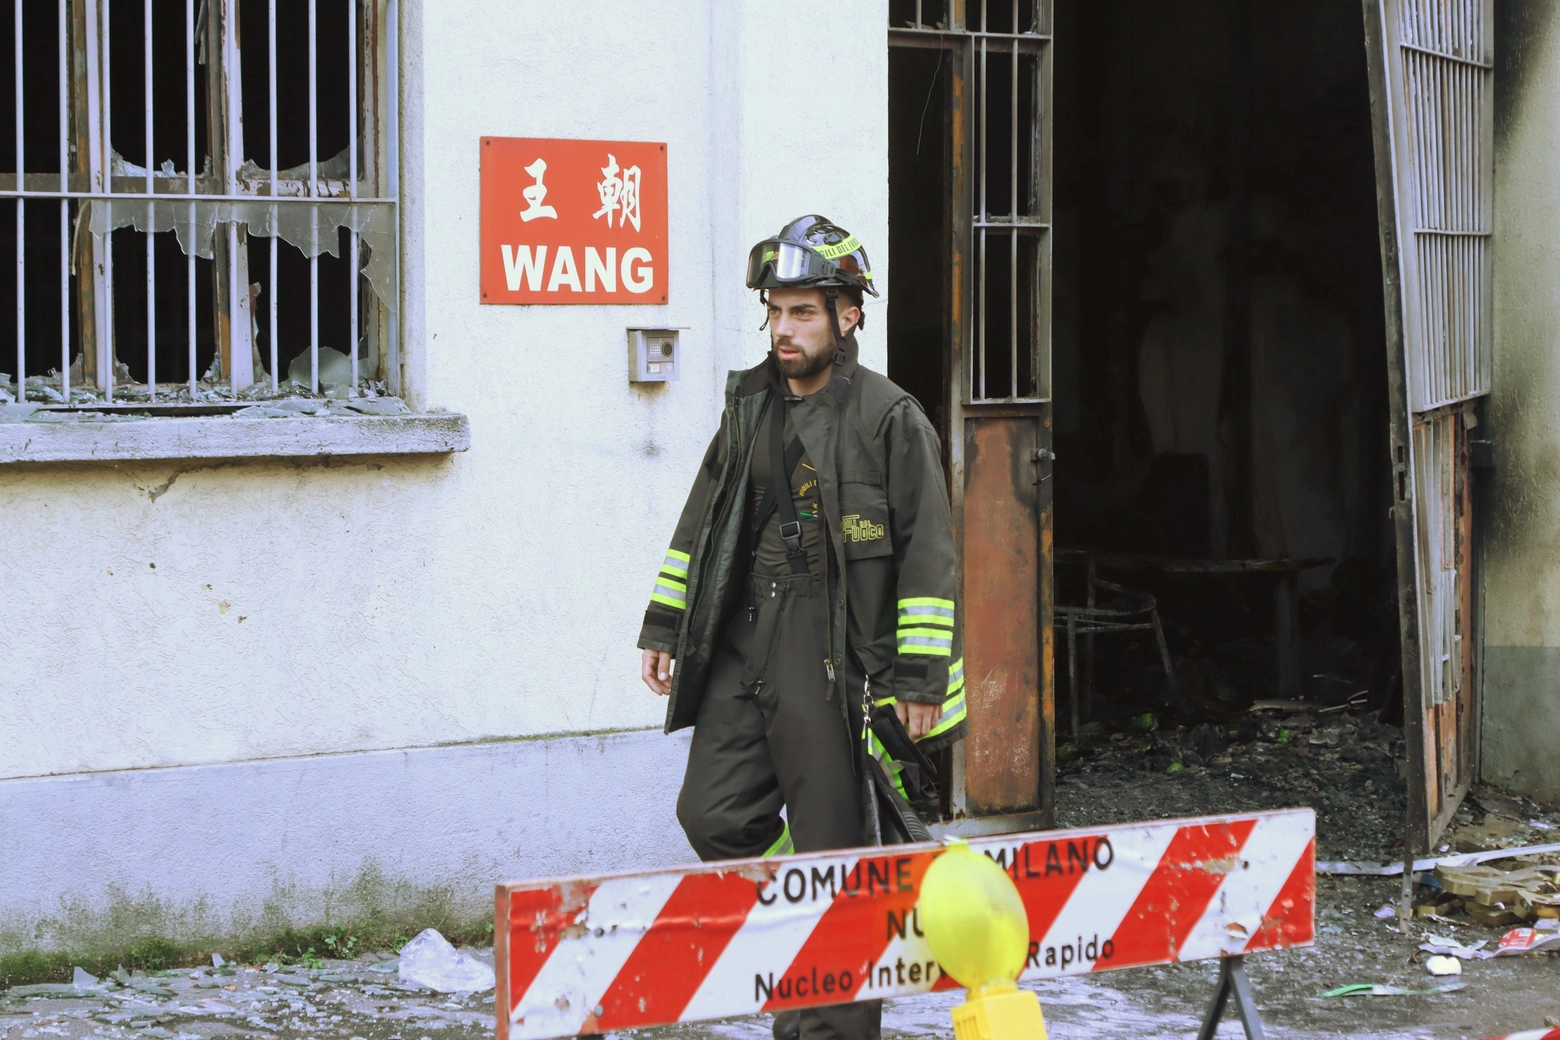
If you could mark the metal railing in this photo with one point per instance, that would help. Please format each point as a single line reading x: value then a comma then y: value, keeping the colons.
x: 212, y: 206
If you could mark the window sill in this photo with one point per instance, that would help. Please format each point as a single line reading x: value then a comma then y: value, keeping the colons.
x: 161, y: 438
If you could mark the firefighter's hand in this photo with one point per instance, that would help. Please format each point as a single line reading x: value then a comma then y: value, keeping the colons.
x: 656, y: 671
x: 918, y: 719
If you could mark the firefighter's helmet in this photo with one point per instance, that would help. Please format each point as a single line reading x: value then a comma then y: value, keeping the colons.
x: 810, y: 252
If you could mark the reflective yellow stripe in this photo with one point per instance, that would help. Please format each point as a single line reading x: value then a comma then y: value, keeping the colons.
x: 839, y: 249
x: 675, y: 567
x: 926, y: 601
x: 935, y: 641
x: 949, y: 720
x: 912, y: 620
x: 671, y: 592
x: 782, y: 845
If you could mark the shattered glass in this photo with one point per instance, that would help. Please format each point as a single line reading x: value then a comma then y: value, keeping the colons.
x: 308, y: 227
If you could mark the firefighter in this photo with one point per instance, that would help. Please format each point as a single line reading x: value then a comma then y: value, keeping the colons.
x: 813, y: 627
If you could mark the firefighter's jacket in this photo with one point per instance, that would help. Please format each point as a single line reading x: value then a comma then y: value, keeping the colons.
x: 884, y: 503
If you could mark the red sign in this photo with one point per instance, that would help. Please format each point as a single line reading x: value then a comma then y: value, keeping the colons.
x: 573, y: 221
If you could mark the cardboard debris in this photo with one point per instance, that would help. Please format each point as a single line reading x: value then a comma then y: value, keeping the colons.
x: 1494, y: 897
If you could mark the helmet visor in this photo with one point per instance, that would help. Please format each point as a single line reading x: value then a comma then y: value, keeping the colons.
x: 775, y: 263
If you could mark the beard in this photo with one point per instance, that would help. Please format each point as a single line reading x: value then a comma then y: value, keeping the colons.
x: 807, y: 364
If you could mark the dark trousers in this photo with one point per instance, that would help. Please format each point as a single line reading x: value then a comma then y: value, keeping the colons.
x: 770, y: 733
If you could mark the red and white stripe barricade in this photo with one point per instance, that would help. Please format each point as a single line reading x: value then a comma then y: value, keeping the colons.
x: 596, y: 954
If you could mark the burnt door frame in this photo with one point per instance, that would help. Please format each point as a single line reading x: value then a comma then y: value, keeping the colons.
x: 1432, y: 121
x: 999, y: 444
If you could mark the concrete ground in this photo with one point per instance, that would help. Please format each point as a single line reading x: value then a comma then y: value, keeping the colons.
x: 345, y: 1000
x: 1347, y: 768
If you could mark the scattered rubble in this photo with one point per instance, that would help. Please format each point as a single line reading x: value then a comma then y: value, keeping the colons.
x: 345, y: 999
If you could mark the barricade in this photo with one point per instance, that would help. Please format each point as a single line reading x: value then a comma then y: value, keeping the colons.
x: 586, y: 955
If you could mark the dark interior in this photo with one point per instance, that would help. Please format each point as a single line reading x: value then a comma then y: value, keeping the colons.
x: 1218, y: 358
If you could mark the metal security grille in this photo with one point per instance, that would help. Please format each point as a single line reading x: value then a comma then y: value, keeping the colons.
x: 1004, y: 46
x: 1432, y: 104
x: 200, y: 274
x: 1447, y: 83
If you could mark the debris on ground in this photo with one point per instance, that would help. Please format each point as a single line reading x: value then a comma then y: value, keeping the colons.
x: 1345, y: 766
x: 1375, y: 989
x: 429, y: 960
x: 1492, y: 895
x: 1442, y: 965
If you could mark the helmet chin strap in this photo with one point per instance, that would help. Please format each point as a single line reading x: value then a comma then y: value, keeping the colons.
x: 830, y: 295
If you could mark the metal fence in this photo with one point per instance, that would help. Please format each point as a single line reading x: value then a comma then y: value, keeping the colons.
x: 215, y: 204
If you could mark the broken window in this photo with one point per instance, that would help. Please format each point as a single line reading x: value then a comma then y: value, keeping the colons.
x: 202, y: 196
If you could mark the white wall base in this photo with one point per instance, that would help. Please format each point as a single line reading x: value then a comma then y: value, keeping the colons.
x: 217, y: 851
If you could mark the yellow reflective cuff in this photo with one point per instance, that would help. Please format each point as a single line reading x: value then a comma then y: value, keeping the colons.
x: 949, y: 720
x: 782, y: 845
x: 925, y: 647
x: 680, y: 604
x: 676, y: 583
x: 884, y: 700
x: 675, y: 567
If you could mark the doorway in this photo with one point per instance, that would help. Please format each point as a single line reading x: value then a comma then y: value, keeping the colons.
x: 1220, y: 367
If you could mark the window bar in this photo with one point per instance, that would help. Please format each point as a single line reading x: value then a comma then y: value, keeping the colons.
x: 918, y: 14
x: 314, y: 213
x: 1013, y: 337
x: 189, y: 158
x: 392, y: 92
x: 276, y: 232
x: 151, y: 239
x: 64, y: 205
x: 352, y: 177
x: 21, y: 245
x: 981, y: 265
x: 106, y: 351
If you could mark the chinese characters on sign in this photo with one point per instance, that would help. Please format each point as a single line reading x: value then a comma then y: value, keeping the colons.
x: 573, y: 221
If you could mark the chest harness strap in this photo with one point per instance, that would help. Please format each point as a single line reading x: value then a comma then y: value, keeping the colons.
x: 783, y: 458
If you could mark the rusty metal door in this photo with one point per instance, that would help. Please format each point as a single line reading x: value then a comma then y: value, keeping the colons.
x: 997, y: 57
x: 1432, y: 104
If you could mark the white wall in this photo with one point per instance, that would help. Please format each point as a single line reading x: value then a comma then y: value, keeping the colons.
x: 299, y: 609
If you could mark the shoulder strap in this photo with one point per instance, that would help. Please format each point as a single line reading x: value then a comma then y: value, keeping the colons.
x: 782, y: 461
